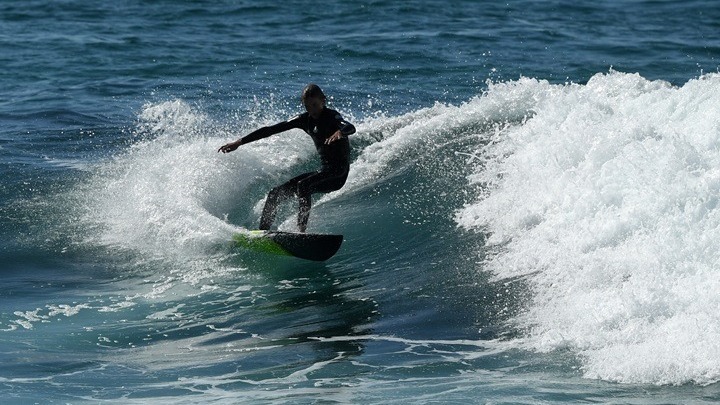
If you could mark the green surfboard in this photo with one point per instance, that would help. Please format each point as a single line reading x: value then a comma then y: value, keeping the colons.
x: 309, y: 246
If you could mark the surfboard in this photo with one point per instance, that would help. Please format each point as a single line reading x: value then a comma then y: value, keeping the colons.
x: 308, y: 246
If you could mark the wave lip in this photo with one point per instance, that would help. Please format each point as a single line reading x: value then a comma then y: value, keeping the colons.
x: 606, y: 201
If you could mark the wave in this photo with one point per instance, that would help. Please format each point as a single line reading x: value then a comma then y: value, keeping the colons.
x: 606, y: 201
x: 600, y: 197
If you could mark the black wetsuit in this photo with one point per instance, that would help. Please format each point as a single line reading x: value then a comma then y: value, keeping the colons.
x: 335, y: 159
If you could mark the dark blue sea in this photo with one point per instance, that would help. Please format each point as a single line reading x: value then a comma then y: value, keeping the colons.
x: 532, y: 213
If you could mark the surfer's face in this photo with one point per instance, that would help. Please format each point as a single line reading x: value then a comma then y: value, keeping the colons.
x: 314, y: 106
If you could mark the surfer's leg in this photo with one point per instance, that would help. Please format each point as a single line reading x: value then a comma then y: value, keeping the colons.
x: 305, y: 204
x: 276, y: 196
x: 271, y: 203
x: 321, y: 182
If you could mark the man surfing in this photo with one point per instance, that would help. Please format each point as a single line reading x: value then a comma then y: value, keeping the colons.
x: 329, y: 132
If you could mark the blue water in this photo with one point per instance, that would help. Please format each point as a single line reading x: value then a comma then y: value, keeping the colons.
x: 532, y: 212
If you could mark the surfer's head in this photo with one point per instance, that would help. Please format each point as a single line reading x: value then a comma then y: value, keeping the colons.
x: 313, y: 99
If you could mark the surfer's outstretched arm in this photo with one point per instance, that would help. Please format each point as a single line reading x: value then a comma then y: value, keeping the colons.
x: 261, y: 133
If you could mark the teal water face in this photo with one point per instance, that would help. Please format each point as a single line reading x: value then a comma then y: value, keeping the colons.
x: 497, y: 245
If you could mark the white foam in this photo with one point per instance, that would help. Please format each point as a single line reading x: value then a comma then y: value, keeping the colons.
x: 606, y: 200
x: 27, y: 319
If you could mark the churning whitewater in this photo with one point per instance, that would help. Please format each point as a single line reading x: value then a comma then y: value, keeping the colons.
x: 605, y: 198
x: 602, y: 197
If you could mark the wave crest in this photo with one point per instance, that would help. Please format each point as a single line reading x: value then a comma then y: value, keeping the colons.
x: 606, y: 200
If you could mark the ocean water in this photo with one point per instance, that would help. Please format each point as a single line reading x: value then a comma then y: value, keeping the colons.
x: 532, y: 213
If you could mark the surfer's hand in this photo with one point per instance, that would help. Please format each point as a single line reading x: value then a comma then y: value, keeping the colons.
x: 334, y: 137
x: 229, y: 147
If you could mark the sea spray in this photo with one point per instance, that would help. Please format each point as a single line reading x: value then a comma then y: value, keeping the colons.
x: 606, y: 200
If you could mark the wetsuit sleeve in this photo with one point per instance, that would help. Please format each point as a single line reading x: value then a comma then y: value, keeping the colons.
x: 345, y: 127
x: 264, y: 132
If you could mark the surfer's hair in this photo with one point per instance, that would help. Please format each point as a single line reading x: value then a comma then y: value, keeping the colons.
x: 313, y: 90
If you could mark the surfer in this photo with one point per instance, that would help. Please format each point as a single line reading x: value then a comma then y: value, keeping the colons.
x: 329, y: 132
